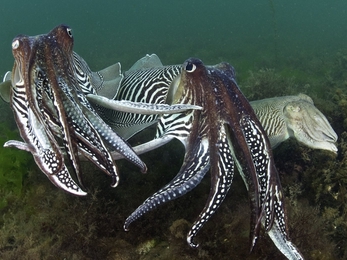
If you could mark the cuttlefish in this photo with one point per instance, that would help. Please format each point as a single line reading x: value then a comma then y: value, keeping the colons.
x: 224, y: 134
x: 47, y: 102
x: 149, y: 81
x: 46, y: 94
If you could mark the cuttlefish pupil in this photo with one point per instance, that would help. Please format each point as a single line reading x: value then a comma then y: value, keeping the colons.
x: 190, y: 67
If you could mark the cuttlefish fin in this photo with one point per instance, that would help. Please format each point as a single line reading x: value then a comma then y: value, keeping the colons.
x: 110, y: 88
x: 5, y: 87
x: 111, y: 72
x: 149, y: 61
x: 111, y: 78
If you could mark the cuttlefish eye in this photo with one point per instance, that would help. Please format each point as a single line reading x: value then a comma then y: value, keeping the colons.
x: 69, y: 32
x: 15, y: 44
x: 190, y: 67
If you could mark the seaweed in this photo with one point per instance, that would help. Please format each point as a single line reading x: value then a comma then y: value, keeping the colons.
x: 266, y: 83
x: 14, y: 166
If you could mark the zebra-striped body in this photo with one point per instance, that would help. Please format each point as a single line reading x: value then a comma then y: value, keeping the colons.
x: 142, y: 86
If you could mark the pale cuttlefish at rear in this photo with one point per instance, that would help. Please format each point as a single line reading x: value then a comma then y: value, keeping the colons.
x: 45, y: 91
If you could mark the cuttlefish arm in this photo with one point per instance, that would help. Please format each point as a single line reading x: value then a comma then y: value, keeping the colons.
x: 195, y: 163
x: 139, y: 107
x: 60, y: 101
x: 48, y: 103
x: 106, y: 82
x: 194, y: 167
x: 93, y: 132
x: 46, y: 151
x: 222, y: 173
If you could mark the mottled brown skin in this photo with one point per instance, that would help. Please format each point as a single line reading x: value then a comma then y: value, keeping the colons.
x: 225, y: 132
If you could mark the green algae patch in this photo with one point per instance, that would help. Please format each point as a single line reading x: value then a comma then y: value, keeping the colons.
x: 14, y: 166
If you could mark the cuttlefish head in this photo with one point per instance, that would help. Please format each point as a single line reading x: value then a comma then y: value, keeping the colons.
x: 307, y: 124
x: 186, y: 89
x: 29, y: 51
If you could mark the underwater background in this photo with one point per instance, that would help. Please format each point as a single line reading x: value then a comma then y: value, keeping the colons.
x: 277, y: 48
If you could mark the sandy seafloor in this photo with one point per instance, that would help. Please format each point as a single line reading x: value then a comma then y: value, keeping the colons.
x: 277, y: 48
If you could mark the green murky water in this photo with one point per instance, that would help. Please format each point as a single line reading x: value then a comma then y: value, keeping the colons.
x: 246, y: 33
x: 292, y: 46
